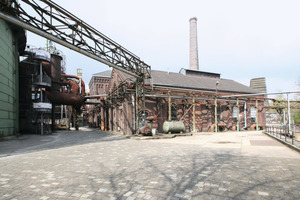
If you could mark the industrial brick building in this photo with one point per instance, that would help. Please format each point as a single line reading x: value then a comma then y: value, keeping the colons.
x: 198, y: 100
x: 99, y: 83
x: 98, y: 86
x: 194, y: 97
x: 129, y: 99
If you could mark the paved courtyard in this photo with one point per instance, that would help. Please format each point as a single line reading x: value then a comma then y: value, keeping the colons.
x: 89, y: 164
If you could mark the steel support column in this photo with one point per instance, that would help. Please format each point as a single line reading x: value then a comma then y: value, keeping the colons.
x: 194, y: 116
x: 237, y: 115
x: 256, y: 118
x: 216, y: 115
x: 289, y: 112
x: 170, y: 110
x: 133, y: 113
x: 245, y: 114
x: 136, y: 109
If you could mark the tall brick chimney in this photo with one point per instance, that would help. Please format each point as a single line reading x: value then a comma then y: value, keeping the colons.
x: 194, y: 65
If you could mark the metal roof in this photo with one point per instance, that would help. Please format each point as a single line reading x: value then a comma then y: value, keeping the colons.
x: 106, y: 73
x: 198, y: 82
x: 178, y: 80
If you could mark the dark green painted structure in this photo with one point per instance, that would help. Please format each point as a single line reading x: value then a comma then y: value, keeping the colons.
x: 12, y: 44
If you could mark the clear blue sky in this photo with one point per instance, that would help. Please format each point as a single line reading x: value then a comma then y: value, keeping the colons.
x: 241, y: 39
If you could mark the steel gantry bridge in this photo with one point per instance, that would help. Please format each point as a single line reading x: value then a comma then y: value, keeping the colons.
x: 47, y: 19
x: 53, y: 22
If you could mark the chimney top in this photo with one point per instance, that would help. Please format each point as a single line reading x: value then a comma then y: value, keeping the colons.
x: 193, y: 18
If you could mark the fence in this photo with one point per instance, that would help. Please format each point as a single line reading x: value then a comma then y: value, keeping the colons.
x: 284, y: 134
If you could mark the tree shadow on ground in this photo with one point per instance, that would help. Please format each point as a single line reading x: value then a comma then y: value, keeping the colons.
x: 203, y: 175
x: 32, y: 143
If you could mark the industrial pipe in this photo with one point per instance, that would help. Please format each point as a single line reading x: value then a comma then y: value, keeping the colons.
x: 60, y: 98
x: 72, y: 84
x: 73, y: 98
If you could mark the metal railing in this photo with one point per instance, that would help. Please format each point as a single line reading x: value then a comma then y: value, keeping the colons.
x: 285, y: 134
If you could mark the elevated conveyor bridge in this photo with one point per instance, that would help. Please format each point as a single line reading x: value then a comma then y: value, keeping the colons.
x: 49, y: 20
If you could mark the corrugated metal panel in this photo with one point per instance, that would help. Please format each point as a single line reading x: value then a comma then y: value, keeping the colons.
x: 8, y: 81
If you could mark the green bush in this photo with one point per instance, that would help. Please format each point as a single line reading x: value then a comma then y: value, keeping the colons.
x: 297, y: 117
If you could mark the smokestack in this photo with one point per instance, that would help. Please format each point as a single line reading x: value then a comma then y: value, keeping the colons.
x: 194, y: 65
x: 79, y: 73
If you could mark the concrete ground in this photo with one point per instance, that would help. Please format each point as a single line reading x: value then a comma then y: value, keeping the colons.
x: 89, y: 164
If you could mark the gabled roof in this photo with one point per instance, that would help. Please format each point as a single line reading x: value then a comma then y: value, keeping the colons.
x: 179, y: 80
x: 198, y: 82
x: 106, y: 73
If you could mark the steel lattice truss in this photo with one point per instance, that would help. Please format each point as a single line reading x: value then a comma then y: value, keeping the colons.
x: 48, y: 19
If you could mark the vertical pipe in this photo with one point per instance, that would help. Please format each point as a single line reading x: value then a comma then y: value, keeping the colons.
x: 169, y: 102
x: 133, y: 112
x: 42, y: 124
x: 256, y: 118
x: 80, y: 86
x: 280, y: 132
x: 66, y: 111
x: 41, y: 78
x: 216, y: 115
x: 285, y: 133
x: 293, y: 134
x: 53, y: 118
x: 237, y: 115
x: 289, y: 113
x: 136, y: 108
x: 41, y: 72
x: 61, y: 112
x: 67, y: 117
x: 106, y: 116
x: 245, y: 114
x: 194, y: 117
x: 111, y: 116
x: 144, y: 102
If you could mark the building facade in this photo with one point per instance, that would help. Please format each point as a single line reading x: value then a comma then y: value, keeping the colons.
x: 198, y: 99
x: 99, y: 83
x: 99, y: 86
